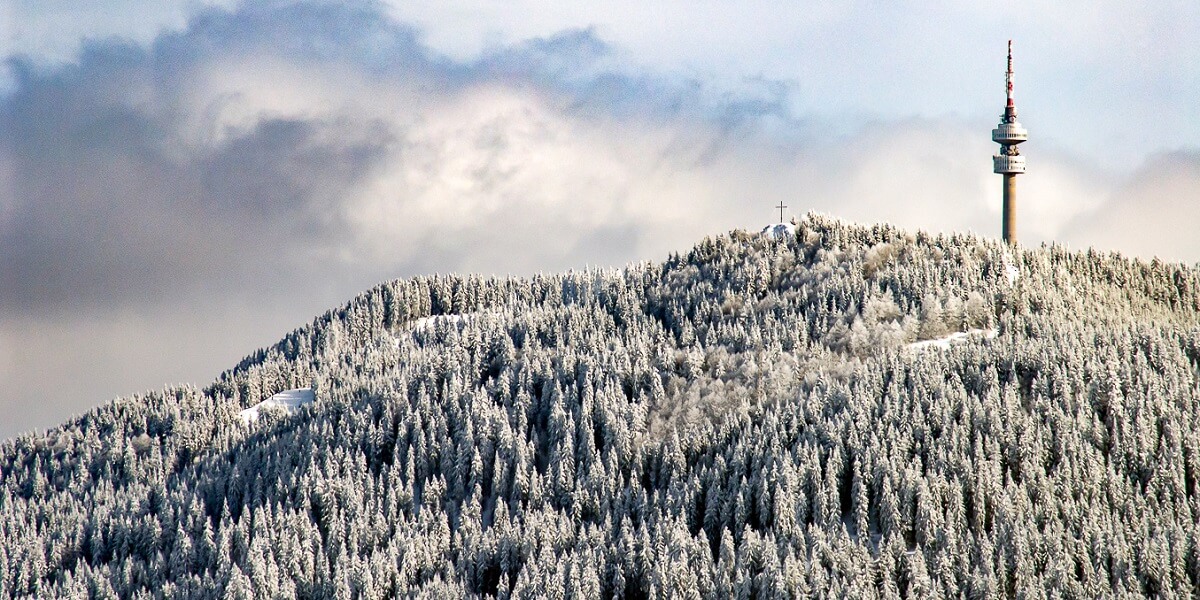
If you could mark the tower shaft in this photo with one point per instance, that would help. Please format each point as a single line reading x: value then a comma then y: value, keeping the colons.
x: 1008, y: 226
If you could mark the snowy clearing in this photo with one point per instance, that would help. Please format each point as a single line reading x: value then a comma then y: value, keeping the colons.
x: 946, y: 342
x: 1010, y: 270
x: 779, y: 230
x: 288, y: 400
x: 429, y: 323
x: 433, y: 320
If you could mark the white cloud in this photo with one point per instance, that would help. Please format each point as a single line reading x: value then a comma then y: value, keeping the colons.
x: 1154, y: 213
x: 1109, y: 80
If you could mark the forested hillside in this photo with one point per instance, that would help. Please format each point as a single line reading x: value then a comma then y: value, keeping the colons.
x: 749, y: 419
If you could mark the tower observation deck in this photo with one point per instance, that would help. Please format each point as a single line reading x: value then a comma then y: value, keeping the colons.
x: 1009, y: 162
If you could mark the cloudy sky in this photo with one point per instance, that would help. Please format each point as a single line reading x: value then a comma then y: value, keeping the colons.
x: 183, y: 182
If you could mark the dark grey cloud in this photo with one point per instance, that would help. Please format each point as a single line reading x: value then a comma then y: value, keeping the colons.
x: 110, y: 198
x: 130, y: 174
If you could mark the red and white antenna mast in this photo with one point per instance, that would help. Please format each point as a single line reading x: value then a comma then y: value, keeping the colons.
x: 1008, y: 76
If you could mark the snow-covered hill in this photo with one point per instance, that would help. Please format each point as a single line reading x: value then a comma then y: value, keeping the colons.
x: 756, y: 417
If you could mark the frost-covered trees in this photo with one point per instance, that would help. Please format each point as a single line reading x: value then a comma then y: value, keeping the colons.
x: 740, y: 421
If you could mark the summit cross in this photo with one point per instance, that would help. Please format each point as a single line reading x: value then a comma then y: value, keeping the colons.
x: 781, y: 207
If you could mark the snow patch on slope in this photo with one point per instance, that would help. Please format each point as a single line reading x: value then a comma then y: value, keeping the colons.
x: 430, y: 323
x: 435, y: 319
x: 1010, y: 270
x: 1013, y: 273
x: 289, y: 401
x: 946, y: 342
x: 779, y: 230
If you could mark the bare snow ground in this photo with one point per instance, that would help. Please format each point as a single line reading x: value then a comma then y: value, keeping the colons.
x: 435, y: 319
x: 288, y: 400
x: 779, y: 230
x: 430, y: 322
x: 946, y: 342
x: 1010, y: 270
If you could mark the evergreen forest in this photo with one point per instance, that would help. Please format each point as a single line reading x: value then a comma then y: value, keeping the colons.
x: 753, y: 418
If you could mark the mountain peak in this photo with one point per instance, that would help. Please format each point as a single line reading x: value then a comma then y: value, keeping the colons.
x: 757, y: 413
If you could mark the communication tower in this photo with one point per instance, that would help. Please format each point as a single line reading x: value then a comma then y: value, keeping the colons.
x: 1009, y: 162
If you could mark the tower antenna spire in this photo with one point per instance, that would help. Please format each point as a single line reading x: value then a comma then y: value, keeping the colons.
x: 1008, y: 76
x: 1009, y: 162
